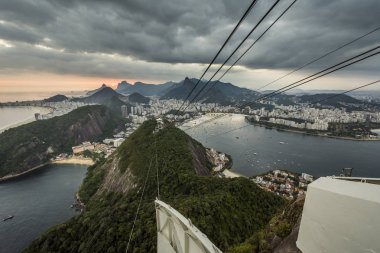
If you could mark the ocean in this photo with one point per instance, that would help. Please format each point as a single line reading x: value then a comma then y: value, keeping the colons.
x: 38, y: 201
x: 15, y: 116
x: 33, y: 95
x: 256, y: 150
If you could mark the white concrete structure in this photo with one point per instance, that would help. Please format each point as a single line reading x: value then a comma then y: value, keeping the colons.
x: 118, y: 142
x: 176, y: 234
x: 341, y: 215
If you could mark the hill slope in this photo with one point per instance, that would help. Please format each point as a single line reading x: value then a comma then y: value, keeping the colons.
x: 33, y: 144
x: 91, y: 92
x: 56, y: 98
x: 108, y: 97
x: 138, y: 98
x: 227, y: 210
x: 101, y: 96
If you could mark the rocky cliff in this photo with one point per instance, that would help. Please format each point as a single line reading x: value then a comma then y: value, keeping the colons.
x: 33, y: 144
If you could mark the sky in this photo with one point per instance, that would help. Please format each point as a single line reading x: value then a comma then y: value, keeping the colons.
x: 80, y: 44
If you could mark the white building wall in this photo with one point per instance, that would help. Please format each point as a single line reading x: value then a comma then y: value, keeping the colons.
x: 340, y: 216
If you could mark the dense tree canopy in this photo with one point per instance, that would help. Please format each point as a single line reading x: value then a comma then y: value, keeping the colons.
x: 227, y: 210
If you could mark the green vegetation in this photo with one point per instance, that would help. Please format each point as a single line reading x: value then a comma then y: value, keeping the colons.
x: 280, y: 226
x: 227, y: 210
x: 350, y: 130
x: 95, y: 176
x: 353, y: 130
x: 33, y: 144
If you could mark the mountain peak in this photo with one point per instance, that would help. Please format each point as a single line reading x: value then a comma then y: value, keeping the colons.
x: 144, y: 89
x: 91, y: 92
x: 56, y: 98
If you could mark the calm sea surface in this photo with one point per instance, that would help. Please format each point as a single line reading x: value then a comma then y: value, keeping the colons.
x: 15, y: 116
x: 32, y: 95
x: 38, y: 201
x: 255, y: 149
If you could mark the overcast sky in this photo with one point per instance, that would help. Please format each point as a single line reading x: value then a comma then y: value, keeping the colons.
x: 79, y: 44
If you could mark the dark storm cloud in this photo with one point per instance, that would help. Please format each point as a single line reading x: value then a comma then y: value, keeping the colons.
x: 12, y: 32
x: 171, y: 31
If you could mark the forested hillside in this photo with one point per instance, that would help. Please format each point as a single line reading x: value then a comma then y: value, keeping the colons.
x: 33, y: 144
x: 227, y: 210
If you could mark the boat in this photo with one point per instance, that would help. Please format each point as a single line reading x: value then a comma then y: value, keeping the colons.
x: 8, y: 218
x: 281, y: 142
x: 237, y: 137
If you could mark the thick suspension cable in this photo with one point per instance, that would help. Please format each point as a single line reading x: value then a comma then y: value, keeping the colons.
x: 279, y: 91
x: 220, y: 50
x: 320, y: 57
x: 235, y: 50
x: 348, y: 91
x: 138, y: 207
x: 332, y: 71
x: 310, y: 78
x: 315, y: 102
x: 250, y: 47
x: 158, y: 181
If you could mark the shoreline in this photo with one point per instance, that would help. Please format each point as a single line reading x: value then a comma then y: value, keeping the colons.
x: 232, y: 174
x: 12, y: 176
x: 208, y: 116
x: 25, y: 121
x: 72, y: 160
x: 79, y: 161
x: 312, y: 134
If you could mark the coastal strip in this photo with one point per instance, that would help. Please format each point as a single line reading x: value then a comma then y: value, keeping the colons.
x: 231, y: 174
x: 282, y: 129
x: 12, y: 176
x: 70, y: 160
x: 74, y: 160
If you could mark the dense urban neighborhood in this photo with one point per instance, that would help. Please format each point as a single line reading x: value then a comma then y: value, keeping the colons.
x: 287, y: 184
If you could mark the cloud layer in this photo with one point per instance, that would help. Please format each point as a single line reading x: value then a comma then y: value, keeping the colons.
x: 169, y: 39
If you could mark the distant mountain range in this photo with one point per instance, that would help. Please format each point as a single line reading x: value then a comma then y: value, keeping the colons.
x: 332, y: 101
x: 359, y: 93
x: 143, y: 88
x: 113, y: 100
x: 215, y: 92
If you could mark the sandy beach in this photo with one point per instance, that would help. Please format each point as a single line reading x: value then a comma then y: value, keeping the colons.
x: 231, y: 174
x: 71, y: 160
x: 75, y: 160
